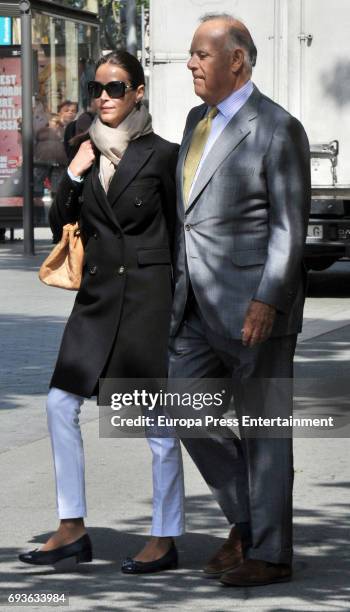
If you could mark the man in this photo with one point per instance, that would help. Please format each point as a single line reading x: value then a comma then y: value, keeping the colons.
x: 244, y: 195
x: 77, y: 127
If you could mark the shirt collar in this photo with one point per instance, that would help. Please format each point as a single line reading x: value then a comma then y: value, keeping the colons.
x: 235, y: 100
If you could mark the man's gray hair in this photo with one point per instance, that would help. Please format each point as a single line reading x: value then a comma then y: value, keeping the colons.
x: 238, y: 37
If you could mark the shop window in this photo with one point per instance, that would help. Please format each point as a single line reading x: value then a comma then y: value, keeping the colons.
x: 64, y: 62
x: 64, y: 55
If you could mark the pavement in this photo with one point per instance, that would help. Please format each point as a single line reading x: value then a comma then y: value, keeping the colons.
x: 119, y: 472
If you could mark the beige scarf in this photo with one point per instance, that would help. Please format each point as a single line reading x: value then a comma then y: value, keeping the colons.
x: 113, y: 142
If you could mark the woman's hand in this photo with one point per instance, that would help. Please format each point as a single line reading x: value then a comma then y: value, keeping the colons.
x: 83, y: 159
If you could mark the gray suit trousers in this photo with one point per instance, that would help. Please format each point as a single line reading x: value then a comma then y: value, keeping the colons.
x: 250, y: 477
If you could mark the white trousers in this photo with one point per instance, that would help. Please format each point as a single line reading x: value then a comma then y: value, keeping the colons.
x: 63, y: 411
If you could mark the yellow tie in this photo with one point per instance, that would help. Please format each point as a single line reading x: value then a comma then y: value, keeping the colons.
x: 195, y: 151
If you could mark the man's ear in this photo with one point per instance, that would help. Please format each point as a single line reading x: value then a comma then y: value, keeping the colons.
x: 237, y: 59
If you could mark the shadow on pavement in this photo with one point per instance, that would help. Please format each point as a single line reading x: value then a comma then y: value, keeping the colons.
x: 326, y: 356
x: 13, y: 258
x: 321, y: 568
x: 28, y: 352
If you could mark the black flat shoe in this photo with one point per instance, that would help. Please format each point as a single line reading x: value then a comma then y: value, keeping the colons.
x: 168, y: 561
x: 81, y: 550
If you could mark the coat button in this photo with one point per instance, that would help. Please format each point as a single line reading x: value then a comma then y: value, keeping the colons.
x: 92, y: 269
x: 187, y: 228
x: 138, y: 202
x: 95, y: 235
x: 121, y: 270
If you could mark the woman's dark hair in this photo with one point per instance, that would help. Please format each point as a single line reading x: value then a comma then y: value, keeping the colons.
x: 127, y: 62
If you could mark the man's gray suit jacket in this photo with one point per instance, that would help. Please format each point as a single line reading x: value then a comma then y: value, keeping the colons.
x: 242, y: 235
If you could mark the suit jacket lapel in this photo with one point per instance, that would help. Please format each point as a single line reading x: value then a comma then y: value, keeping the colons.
x: 233, y: 134
x: 134, y: 158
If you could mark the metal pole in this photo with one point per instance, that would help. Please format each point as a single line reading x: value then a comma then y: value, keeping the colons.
x: 143, y: 33
x: 27, y: 125
x: 53, y: 87
x: 131, y: 34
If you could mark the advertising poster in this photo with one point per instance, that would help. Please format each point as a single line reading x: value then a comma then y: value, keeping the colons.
x: 10, y: 123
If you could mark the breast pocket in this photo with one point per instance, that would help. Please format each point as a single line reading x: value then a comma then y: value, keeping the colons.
x: 144, y: 185
x: 236, y: 171
x: 231, y: 181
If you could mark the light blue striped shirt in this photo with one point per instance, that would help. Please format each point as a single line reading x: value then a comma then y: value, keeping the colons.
x: 228, y: 108
x: 77, y: 179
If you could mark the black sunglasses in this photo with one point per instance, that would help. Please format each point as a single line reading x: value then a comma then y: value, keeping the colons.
x: 115, y: 89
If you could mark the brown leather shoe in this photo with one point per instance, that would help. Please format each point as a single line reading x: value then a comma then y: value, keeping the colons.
x: 254, y: 572
x: 229, y: 556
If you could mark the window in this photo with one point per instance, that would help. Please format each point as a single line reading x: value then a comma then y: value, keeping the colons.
x: 64, y: 61
x: 83, y: 5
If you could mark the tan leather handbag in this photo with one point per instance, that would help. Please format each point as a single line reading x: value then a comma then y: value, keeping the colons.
x: 63, y: 267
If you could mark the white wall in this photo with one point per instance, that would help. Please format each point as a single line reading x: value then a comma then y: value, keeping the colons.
x: 172, y: 25
x: 310, y: 80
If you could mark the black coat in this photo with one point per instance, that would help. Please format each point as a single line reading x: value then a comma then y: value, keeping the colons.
x: 120, y: 320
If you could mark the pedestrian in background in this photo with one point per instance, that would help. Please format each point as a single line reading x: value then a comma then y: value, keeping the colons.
x: 76, y: 128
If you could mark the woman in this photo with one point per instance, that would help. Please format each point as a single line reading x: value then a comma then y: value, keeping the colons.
x: 120, y: 185
x: 50, y: 155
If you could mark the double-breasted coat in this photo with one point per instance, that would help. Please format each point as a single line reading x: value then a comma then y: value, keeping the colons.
x: 119, y: 324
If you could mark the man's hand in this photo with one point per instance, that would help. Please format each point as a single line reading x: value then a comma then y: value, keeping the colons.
x: 83, y: 159
x: 258, y: 323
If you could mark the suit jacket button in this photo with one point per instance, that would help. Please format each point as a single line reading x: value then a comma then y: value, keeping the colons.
x: 92, y: 269
x: 187, y: 228
x: 138, y: 202
x: 95, y: 235
x: 121, y: 270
